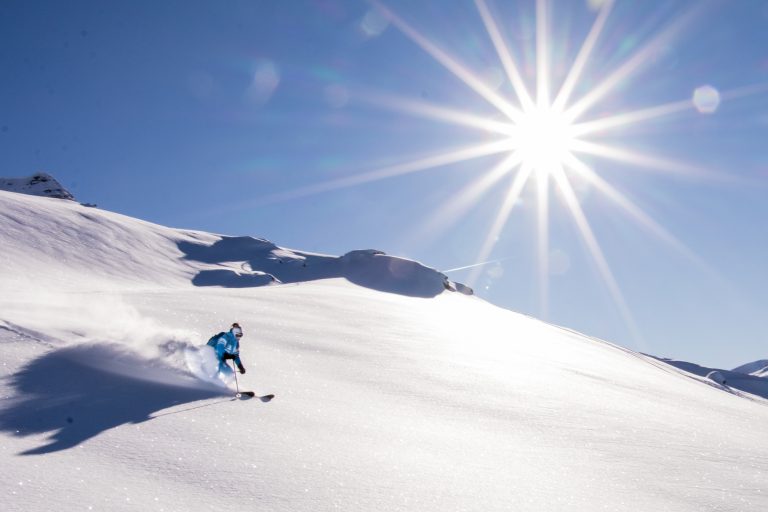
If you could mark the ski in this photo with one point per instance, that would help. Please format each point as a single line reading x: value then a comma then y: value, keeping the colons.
x: 247, y: 395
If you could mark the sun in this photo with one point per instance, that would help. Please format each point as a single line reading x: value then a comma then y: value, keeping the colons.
x: 544, y: 139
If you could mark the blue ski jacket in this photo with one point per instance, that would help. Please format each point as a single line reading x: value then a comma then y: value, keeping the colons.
x: 226, y: 343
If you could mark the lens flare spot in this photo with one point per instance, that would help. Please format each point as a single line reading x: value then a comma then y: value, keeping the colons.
x: 336, y: 95
x: 264, y: 82
x: 373, y: 23
x: 495, y: 271
x: 706, y: 99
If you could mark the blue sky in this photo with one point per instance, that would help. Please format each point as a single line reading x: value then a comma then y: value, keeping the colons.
x: 259, y: 118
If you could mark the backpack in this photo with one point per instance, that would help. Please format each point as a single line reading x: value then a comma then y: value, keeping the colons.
x: 215, y: 339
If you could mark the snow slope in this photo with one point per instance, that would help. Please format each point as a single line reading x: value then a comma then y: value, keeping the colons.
x: 392, y: 392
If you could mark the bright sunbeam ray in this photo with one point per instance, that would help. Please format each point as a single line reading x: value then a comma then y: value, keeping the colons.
x: 451, y: 211
x: 631, y: 66
x: 629, y: 118
x: 572, y: 202
x: 510, y: 200
x: 505, y: 56
x: 437, y: 112
x: 422, y: 164
x: 645, y: 161
x: 581, y: 59
x: 450, y: 63
x: 642, y: 218
x: 542, y: 245
x: 747, y: 90
x: 542, y: 53
x: 634, y: 211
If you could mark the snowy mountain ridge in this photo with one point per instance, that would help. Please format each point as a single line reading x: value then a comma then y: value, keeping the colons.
x: 756, y: 368
x: 165, y: 255
x: 752, y: 381
x: 40, y: 184
x: 392, y: 393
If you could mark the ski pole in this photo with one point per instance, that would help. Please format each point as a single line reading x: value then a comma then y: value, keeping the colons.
x: 236, y: 383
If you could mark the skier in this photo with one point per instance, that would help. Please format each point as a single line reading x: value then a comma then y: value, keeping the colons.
x: 227, y: 346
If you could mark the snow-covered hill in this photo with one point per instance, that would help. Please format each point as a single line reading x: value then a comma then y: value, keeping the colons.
x: 393, y: 393
x: 40, y: 184
x: 755, y: 368
x: 752, y: 382
x: 113, y: 248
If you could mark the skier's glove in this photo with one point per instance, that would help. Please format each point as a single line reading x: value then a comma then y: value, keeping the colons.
x: 241, y: 368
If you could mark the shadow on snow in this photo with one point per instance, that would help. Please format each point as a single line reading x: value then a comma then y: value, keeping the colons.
x: 79, y: 392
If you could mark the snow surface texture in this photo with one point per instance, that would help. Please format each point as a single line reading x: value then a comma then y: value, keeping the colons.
x: 40, y: 184
x: 389, y: 397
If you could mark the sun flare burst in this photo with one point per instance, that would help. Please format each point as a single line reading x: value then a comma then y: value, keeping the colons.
x: 543, y: 135
x: 540, y: 134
